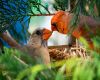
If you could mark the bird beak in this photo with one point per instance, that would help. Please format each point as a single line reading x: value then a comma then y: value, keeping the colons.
x: 53, y: 27
x: 60, y: 27
x: 46, y: 34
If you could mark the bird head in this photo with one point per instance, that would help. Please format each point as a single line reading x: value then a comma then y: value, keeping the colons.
x: 46, y: 34
x: 39, y: 37
x: 59, y: 22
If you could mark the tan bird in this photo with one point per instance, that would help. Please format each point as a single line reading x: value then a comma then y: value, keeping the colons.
x: 37, y: 46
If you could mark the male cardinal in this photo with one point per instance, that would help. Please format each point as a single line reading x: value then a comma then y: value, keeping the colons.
x: 86, y: 26
x: 37, y: 46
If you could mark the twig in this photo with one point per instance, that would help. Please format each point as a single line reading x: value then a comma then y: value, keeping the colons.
x: 41, y: 14
x: 60, y: 46
x: 20, y: 61
x: 11, y: 41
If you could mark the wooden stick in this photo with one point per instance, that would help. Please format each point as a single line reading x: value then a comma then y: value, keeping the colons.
x: 10, y: 40
x: 59, y: 46
x: 42, y: 14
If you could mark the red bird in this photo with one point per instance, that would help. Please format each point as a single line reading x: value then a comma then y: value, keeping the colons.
x: 86, y: 26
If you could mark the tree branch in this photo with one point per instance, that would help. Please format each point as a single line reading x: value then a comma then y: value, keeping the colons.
x: 40, y: 14
x: 11, y: 42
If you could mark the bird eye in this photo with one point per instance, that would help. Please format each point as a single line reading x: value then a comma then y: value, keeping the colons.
x: 38, y: 32
x: 54, y: 24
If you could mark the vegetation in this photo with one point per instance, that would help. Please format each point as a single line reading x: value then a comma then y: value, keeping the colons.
x: 14, y: 67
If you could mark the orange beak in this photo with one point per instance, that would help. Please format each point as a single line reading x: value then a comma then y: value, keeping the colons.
x: 54, y: 26
x: 46, y: 34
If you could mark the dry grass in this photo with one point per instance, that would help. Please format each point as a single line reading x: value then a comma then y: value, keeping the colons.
x: 66, y: 52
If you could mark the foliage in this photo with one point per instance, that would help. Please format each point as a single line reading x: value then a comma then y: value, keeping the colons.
x: 61, y: 5
x: 13, y: 67
x: 15, y: 16
x: 12, y: 11
x: 79, y: 7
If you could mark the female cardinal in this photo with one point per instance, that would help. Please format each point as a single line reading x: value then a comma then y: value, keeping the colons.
x: 37, y: 46
x: 86, y: 26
